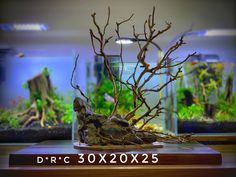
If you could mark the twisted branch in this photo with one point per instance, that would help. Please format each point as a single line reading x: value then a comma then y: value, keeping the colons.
x: 76, y: 87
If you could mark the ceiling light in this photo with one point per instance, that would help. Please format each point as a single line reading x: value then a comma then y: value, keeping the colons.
x: 23, y: 27
x: 211, y: 32
x: 221, y: 32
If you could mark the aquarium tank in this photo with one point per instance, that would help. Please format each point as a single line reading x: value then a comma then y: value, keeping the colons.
x: 100, y: 90
x: 35, y: 98
x: 205, y: 99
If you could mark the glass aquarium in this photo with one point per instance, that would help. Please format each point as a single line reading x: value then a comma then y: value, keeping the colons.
x: 205, y: 96
x: 35, y: 98
x: 100, y: 91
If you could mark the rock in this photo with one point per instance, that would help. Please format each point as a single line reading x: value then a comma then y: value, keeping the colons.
x: 146, y: 137
x: 132, y: 138
x: 91, y: 138
x: 82, y: 106
x: 113, y: 129
x: 120, y: 120
x: 95, y: 129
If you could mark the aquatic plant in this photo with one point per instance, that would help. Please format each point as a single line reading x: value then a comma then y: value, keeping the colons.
x: 193, y: 112
x: 67, y: 115
x: 8, y: 119
x: 187, y: 107
x: 226, y: 110
x: 101, y: 103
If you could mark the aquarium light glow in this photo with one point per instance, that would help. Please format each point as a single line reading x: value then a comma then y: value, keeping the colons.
x: 23, y: 27
x: 127, y: 40
x: 124, y: 41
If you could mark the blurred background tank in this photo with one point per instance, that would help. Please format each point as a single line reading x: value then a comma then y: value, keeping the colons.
x: 35, y: 98
x: 205, y: 96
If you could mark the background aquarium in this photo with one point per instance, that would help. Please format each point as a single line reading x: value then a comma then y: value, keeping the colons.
x: 205, y: 96
x: 35, y: 98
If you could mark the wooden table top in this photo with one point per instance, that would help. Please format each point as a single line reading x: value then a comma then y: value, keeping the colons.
x: 227, y: 168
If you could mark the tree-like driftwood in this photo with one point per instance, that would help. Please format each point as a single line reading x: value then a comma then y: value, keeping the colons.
x: 136, y: 82
x: 40, y: 88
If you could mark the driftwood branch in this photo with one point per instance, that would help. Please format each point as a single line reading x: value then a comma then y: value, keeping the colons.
x: 76, y: 87
x: 135, y: 83
x: 103, y: 41
x: 118, y: 24
x: 165, y: 63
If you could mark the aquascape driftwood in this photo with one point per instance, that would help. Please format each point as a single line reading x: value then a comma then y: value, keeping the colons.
x: 41, y: 91
x: 95, y: 129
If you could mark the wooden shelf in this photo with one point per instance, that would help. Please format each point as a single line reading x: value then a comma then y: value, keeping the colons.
x: 213, y: 137
x: 226, y: 169
x: 169, y: 154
